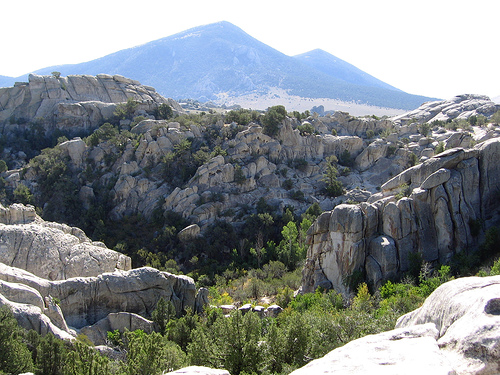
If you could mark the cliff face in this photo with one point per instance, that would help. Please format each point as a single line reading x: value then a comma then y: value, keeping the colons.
x: 72, y: 103
x: 450, y: 196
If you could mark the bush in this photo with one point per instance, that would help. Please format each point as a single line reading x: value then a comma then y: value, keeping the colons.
x: 439, y: 148
x: 164, y: 112
x: 15, y: 357
x: 306, y: 129
x: 272, y: 119
x: 333, y: 186
x: 424, y: 129
x: 239, y: 176
x: 22, y: 194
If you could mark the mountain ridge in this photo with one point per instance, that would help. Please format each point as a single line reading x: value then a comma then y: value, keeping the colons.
x: 207, y: 61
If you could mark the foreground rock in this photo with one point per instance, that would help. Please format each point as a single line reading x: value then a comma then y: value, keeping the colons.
x: 198, y: 370
x: 455, y: 332
x: 466, y: 313
x: 402, y: 351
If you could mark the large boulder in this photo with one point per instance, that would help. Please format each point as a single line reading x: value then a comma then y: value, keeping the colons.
x: 466, y: 312
x: 55, y: 253
x: 412, y: 350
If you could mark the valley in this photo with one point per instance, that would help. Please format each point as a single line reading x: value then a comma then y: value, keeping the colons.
x: 123, y: 211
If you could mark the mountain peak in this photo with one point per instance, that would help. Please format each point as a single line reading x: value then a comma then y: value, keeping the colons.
x: 221, y: 60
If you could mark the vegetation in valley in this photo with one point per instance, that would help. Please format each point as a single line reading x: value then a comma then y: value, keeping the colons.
x: 310, y: 326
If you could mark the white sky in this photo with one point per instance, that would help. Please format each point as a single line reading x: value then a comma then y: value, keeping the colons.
x: 437, y: 48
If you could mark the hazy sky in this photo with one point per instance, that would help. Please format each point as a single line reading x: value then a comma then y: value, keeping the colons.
x: 437, y: 48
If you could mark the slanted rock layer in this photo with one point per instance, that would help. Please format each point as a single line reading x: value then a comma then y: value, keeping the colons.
x: 42, y: 263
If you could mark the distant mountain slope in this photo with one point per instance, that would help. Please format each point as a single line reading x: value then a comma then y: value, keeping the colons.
x: 6, y: 81
x: 220, y: 58
x: 335, y: 67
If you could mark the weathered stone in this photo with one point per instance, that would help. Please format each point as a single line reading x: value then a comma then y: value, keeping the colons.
x: 466, y: 315
x: 411, y: 350
x: 55, y: 254
x: 197, y: 370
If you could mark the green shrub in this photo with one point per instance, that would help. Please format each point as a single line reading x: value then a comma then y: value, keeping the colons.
x: 272, y: 119
x: 15, y: 357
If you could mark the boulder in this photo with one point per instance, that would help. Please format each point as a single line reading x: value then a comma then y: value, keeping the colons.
x: 411, y: 350
x: 198, y: 370
x: 466, y: 312
x: 51, y: 252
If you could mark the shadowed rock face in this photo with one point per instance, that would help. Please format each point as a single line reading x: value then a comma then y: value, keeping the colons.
x: 448, y: 193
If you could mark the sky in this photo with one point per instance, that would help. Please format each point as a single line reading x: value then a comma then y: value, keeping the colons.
x: 437, y: 48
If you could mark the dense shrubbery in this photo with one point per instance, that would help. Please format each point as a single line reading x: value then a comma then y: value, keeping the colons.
x: 310, y: 326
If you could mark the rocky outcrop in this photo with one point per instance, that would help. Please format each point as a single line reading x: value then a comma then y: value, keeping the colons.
x: 51, y: 250
x: 75, y: 103
x: 429, y: 209
x: 458, y: 107
x: 466, y: 313
x: 56, y: 280
x: 455, y: 332
x: 86, y: 300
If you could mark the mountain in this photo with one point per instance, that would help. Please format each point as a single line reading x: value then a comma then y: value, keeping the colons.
x: 221, y: 59
x: 6, y: 81
x: 338, y: 68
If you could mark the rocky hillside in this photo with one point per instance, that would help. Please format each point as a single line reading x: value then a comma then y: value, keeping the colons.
x: 209, y: 171
x: 71, y: 104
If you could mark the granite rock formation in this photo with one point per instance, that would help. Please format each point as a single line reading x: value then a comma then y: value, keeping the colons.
x: 429, y: 209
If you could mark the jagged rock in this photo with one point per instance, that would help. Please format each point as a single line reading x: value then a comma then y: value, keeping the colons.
x: 466, y: 312
x: 55, y: 252
x: 198, y: 370
x: 75, y: 149
x: 17, y: 214
x: 411, y: 350
x: 98, y: 332
x: 444, y: 195
x: 375, y: 151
